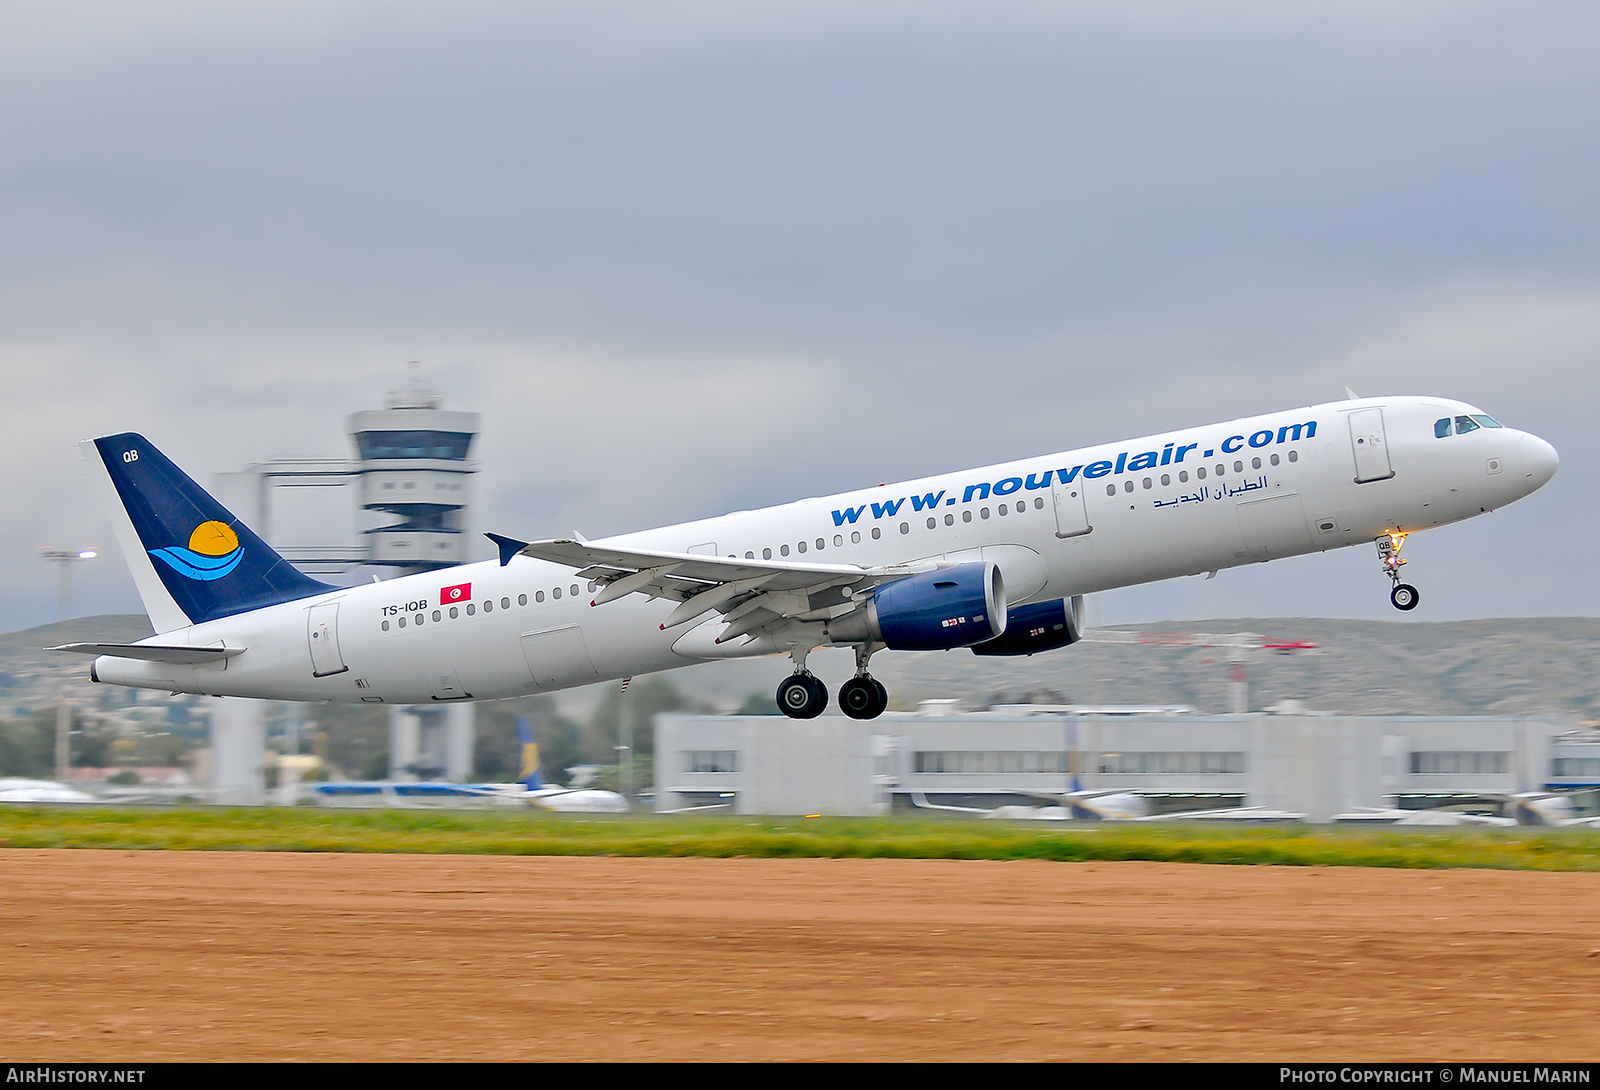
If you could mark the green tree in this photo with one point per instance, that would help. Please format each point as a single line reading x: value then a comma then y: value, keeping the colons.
x: 497, y: 751
x: 645, y: 699
x: 27, y: 747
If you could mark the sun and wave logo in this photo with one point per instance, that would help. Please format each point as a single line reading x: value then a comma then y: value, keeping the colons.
x: 213, y: 552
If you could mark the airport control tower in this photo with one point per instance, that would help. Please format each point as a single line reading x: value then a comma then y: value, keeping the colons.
x: 415, y: 479
x: 399, y: 508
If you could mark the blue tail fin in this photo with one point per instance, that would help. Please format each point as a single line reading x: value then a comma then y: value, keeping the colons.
x: 530, y: 756
x: 187, y: 551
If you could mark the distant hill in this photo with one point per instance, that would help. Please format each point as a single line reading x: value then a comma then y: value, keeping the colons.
x: 30, y: 675
x: 1518, y: 666
x: 1514, y: 666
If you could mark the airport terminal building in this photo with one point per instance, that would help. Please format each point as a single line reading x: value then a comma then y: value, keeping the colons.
x: 1309, y: 767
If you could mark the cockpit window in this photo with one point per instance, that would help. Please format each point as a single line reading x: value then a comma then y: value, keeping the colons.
x: 1486, y: 421
x: 1465, y: 424
x: 1441, y: 428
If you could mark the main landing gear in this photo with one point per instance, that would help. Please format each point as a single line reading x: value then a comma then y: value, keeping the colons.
x: 803, y: 696
x: 863, y: 697
x: 1404, y: 596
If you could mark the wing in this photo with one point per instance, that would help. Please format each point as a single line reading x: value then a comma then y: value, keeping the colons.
x: 752, y: 595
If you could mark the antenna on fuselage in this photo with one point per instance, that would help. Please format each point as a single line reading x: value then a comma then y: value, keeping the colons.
x: 1351, y: 394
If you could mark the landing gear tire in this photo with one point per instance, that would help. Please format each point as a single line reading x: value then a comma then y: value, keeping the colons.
x: 802, y: 696
x: 863, y: 698
x: 1404, y: 596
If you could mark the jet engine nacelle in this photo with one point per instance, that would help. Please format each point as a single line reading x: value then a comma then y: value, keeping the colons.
x: 934, y: 611
x: 1037, y: 626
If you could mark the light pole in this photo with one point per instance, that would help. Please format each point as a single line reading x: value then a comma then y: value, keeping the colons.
x: 65, y: 558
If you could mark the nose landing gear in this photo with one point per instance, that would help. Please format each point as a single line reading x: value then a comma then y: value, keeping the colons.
x: 1404, y: 596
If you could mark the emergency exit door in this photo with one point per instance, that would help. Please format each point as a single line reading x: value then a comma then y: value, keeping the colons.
x: 1371, y: 446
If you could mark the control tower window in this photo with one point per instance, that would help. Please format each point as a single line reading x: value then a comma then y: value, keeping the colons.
x: 413, y: 444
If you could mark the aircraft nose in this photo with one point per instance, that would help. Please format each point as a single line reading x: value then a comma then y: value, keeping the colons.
x: 1539, y: 461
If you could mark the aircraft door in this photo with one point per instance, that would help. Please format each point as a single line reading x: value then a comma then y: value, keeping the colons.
x: 1371, y: 446
x: 1072, y: 516
x: 322, y: 633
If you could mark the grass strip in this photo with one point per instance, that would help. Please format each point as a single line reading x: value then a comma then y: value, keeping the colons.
x: 420, y: 831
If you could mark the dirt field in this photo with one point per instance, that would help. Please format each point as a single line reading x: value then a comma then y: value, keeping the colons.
x: 142, y: 956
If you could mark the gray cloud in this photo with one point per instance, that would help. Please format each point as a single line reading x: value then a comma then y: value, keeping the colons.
x: 709, y: 256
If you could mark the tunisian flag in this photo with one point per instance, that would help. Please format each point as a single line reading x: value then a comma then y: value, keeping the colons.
x: 461, y: 592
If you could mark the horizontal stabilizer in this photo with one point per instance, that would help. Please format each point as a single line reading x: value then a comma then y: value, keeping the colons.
x: 151, y: 652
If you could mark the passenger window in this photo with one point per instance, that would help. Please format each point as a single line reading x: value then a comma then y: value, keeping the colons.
x: 1294, y: 456
x: 1111, y: 490
x: 538, y: 596
x: 1001, y: 511
x: 436, y: 616
x: 966, y: 516
x: 402, y: 622
x: 905, y: 527
x: 1274, y: 459
x: 488, y: 606
x: 471, y: 609
x: 522, y: 599
x: 574, y: 594
x: 932, y: 522
x: 556, y: 593
x: 386, y: 626
x: 984, y: 513
x: 821, y: 544
x: 1147, y: 482
x: 801, y: 546
x: 1127, y: 486
x: 1038, y: 502
x: 1166, y: 479
x: 766, y: 554
x: 1183, y: 476
x: 949, y: 520
x: 876, y: 533
x: 1441, y: 428
x: 838, y: 540
x: 505, y: 603
x: 1255, y: 463
x: 783, y: 550
x: 855, y: 537
x: 1465, y: 424
x: 749, y: 555
x: 1238, y: 467
x: 1200, y: 474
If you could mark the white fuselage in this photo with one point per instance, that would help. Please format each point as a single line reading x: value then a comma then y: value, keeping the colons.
x: 1115, y: 515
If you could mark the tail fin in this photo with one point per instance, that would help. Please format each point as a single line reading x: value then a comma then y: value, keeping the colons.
x: 530, y: 756
x: 192, y: 560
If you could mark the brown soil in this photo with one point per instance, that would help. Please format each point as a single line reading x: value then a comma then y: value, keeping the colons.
x: 143, y: 956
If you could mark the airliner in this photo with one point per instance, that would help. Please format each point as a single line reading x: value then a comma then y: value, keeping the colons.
x: 996, y: 560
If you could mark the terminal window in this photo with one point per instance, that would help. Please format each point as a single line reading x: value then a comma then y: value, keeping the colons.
x: 711, y: 760
x: 990, y: 761
x: 1173, y: 762
x: 1460, y: 762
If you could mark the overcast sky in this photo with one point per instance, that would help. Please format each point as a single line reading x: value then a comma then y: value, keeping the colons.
x: 692, y: 257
